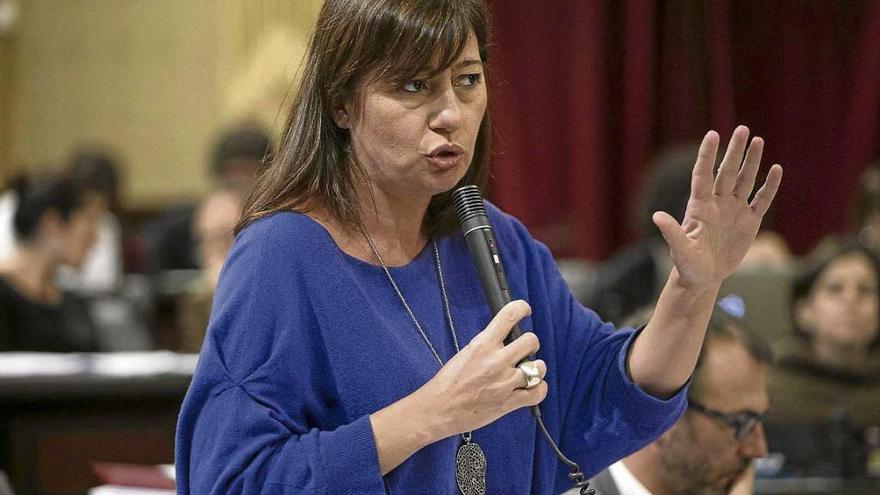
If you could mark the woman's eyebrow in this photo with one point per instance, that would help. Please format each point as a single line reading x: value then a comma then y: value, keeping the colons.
x: 468, y: 62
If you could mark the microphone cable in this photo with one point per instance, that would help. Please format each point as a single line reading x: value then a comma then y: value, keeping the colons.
x: 480, y: 240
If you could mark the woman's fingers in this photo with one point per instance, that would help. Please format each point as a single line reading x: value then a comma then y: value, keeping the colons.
x: 524, y: 346
x: 701, y: 178
x: 746, y: 180
x: 671, y: 231
x: 725, y: 180
x: 764, y: 196
x: 525, y: 397
x: 500, y: 326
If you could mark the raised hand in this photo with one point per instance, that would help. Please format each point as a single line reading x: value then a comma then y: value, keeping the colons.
x: 720, y: 224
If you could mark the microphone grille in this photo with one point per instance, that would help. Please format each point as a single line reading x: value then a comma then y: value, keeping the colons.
x: 468, y: 203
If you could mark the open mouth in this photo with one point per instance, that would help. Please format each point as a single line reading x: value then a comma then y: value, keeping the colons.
x: 445, y: 160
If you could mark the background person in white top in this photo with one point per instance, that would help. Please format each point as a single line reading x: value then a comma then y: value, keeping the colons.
x: 710, y: 450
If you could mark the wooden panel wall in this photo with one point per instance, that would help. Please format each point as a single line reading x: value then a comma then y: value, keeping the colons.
x: 154, y: 79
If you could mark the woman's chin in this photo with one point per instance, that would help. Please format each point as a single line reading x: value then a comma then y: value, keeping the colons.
x: 444, y: 187
x: 442, y: 183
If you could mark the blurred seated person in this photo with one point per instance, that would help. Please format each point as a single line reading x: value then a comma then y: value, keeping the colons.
x: 768, y: 251
x: 710, y: 450
x: 55, y: 224
x: 95, y: 172
x: 633, y: 277
x: 215, y: 220
x: 827, y: 380
x: 237, y: 157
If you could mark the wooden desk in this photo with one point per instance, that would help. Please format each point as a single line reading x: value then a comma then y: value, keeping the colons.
x: 52, y: 427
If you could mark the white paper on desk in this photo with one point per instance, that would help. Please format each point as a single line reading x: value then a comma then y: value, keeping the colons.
x: 125, y: 490
x: 168, y: 470
x: 117, y: 364
x: 18, y: 364
x: 142, y: 363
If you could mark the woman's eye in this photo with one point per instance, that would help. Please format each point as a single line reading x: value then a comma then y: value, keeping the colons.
x: 833, y: 288
x: 468, y: 80
x: 414, y: 86
x: 867, y: 290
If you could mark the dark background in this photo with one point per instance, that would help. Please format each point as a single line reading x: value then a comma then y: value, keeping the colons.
x: 586, y: 92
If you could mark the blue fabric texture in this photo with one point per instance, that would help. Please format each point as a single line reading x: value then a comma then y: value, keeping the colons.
x: 305, y: 342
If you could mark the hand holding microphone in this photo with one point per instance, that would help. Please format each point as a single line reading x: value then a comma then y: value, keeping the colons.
x: 492, y: 375
x: 480, y: 239
x: 481, y: 243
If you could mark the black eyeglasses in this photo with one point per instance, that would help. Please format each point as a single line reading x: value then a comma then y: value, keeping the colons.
x: 742, y: 422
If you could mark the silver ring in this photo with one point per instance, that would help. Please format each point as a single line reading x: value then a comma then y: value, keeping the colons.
x: 531, y: 375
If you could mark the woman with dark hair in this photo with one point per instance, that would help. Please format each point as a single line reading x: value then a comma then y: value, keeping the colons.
x: 95, y: 171
x: 833, y: 363
x: 350, y: 349
x: 825, y: 386
x: 55, y: 224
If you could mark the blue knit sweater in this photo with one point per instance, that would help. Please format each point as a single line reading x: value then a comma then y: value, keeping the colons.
x: 305, y: 342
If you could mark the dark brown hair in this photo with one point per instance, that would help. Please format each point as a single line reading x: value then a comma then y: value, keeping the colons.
x: 815, y: 265
x: 359, y: 42
x: 38, y: 195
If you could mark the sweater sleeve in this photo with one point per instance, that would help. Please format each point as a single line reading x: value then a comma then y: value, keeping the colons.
x: 260, y: 416
x: 601, y: 415
x: 605, y: 416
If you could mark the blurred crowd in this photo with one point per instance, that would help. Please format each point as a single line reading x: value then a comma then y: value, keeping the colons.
x: 79, y: 274
x: 817, y: 316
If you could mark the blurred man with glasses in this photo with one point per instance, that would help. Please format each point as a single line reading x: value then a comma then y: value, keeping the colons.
x: 710, y: 450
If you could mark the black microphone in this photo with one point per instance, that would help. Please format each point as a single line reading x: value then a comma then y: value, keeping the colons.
x: 481, y: 243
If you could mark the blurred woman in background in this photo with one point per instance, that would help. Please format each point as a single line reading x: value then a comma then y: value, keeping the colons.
x: 836, y: 311
x: 55, y: 224
x: 825, y: 388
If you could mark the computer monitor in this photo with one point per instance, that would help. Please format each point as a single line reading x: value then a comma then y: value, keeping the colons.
x: 767, y: 298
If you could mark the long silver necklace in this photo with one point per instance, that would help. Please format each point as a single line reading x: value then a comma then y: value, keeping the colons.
x: 470, y: 461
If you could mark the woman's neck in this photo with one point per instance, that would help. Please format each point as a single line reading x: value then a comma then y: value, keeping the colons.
x: 395, y: 226
x: 394, y: 223
x: 837, y: 355
x: 32, y: 272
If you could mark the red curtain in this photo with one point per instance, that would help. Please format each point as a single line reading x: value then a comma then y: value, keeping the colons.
x: 586, y: 92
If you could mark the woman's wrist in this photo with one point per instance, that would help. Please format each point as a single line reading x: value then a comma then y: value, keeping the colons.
x: 678, y: 282
x: 405, y: 427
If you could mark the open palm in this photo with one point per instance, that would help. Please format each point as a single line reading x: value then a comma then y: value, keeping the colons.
x: 720, y: 224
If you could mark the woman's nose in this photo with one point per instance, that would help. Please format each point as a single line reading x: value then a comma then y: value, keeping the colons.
x: 447, y: 116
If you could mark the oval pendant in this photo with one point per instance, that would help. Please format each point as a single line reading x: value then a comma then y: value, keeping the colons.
x: 470, y: 469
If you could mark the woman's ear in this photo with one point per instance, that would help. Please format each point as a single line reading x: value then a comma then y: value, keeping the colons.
x: 342, y: 117
x: 344, y: 109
